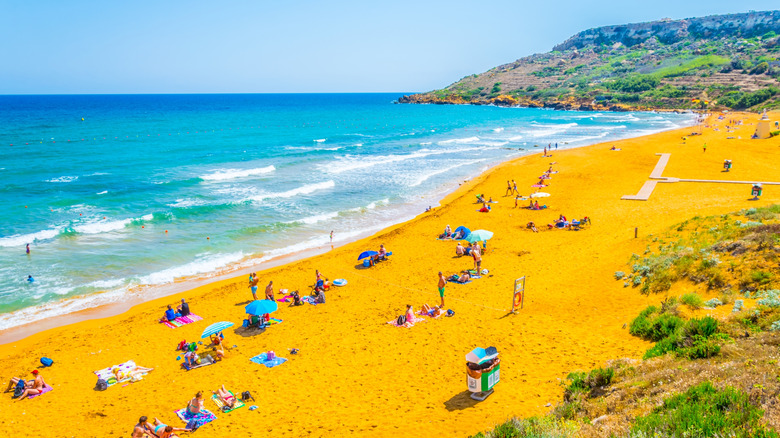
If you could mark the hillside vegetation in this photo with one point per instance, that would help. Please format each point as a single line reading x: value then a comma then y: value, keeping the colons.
x: 718, y: 62
x: 711, y: 369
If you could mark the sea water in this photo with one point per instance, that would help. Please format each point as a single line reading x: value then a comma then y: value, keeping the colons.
x: 117, y: 194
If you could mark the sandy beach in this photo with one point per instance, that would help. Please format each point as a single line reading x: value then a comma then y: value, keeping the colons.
x: 357, y: 375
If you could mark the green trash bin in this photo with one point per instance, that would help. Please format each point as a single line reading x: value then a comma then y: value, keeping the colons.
x: 484, y: 371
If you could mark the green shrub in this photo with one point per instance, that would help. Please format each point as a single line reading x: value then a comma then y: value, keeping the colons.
x: 582, y: 382
x: 619, y: 275
x: 664, y: 326
x: 705, y: 411
x: 634, y: 84
x: 534, y: 427
x: 692, y: 300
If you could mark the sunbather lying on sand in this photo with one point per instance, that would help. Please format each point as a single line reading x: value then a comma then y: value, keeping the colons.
x: 463, y: 278
x: 137, y: 371
x: 532, y: 227
x: 433, y: 312
x: 227, y: 398
x: 162, y: 430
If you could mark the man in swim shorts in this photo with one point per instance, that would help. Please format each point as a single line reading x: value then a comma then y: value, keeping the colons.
x: 442, y: 284
x: 269, y: 291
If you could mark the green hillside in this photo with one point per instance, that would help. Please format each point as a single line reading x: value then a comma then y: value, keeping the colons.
x: 727, y: 61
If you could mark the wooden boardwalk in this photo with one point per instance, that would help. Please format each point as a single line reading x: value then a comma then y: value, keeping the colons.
x: 656, y: 177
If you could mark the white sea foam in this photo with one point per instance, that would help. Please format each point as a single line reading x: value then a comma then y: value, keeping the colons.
x: 228, y: 174
x: 303, y: 148
x: 425, y: 143
x: 314, y: 219
x: 102, y: 193
x: 421, y: 179
x: 320, y: 140
x: 458, y: 141
x: 550, y: 130
x: 203, y: 263
x: 498, y: 129
x: 349, y: 163
x: 515, y: 138
x: 63, y: 179
x: 187, y: 202
x: 303, y: 190
x: 98, y: 227
x: 23, y: 239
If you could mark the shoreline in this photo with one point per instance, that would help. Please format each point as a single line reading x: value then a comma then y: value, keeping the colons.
x: 185, y: 284
x: 353, y: 364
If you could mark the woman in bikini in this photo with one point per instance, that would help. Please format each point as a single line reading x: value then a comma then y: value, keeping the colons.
x: 196, y: 404
x: 227, y: 398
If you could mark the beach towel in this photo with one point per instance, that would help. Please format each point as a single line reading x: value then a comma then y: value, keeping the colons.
x: 262, y: 359
x: 408, y: 323
x: 182, y: 320
x: 309, y: 299
x: 285, y: 299
x: 46, y: 388
x: 110, y: 378
x: 457, y: 282
x: 218, y: 402
x: 201, y: 418
x: 273, y: 321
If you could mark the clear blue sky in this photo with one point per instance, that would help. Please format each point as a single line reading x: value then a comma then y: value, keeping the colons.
x: 276, y: 46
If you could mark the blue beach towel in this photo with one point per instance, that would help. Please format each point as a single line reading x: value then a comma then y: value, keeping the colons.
x: 262, y: 359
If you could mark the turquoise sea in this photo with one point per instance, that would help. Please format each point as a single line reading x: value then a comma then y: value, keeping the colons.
x: 119, y: 194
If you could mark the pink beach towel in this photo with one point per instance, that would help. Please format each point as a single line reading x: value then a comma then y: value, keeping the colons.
x: 46, y: 388
x: 182, y: 320
x: 408, y: 324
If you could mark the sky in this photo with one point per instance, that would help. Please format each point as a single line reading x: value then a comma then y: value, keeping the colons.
x: 293, y: 46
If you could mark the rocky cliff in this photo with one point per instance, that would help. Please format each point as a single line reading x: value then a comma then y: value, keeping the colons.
x: 723, y: 61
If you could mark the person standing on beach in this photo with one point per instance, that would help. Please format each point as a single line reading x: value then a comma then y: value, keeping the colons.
x: 477, y: 254
x: 508, y: 190
x: 705, y: 147
x: 556, y: 146
x: 331, y: 236
x: 253, y: 285
x: 269, y: 291
x: 514, y: 188
x: 442, y: 284
x: 28, y: 249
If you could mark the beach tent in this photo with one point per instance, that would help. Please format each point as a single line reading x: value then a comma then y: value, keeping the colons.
x: 461, y: 229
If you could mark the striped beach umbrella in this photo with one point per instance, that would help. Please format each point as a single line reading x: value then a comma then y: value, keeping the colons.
x: 215, y: 328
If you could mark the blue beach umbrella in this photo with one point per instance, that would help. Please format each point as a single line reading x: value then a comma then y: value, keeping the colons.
x: 479, y: 235
x: 464, y: 230
x: 365, y: 254
x: 216, y: 328
x: 261, y: 307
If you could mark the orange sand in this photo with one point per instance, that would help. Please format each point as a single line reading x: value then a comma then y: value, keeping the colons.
x: 357, y: 375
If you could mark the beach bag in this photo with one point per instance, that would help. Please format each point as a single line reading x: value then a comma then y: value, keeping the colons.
x: 225, y: 408
x: 450, y: 312
x: 401, y: 320
x: 246, y: 395
x: 271, y: 355
x: 101, y: 385
x: 192, y: 425
x: 45, y: 361
x: 19, y: 388
x: 181, y: 346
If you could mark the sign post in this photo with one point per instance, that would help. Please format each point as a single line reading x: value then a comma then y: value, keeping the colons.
x: 518, y: 298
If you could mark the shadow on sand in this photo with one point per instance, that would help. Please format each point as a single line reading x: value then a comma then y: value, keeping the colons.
x: 460, y: 402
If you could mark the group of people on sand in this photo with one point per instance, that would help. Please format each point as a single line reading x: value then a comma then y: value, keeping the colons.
x: 27, y: 387
x: 182, y: 309
x: 449, y: 234
x: 158, y: 429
